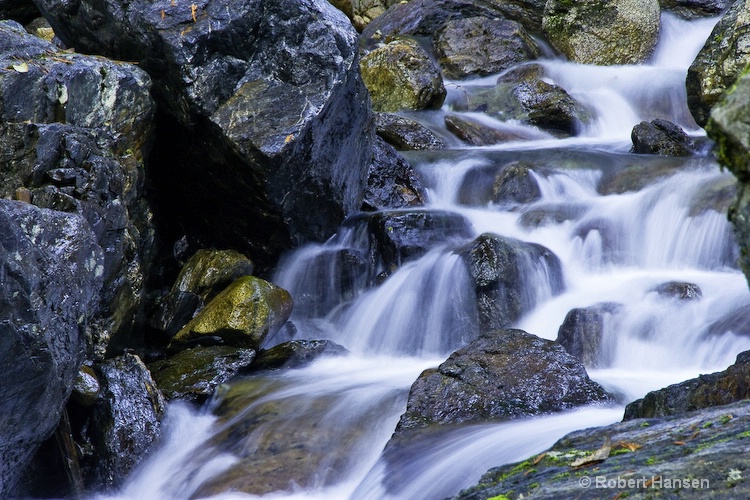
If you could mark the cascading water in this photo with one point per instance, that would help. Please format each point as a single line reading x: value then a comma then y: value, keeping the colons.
x: 622, y: 226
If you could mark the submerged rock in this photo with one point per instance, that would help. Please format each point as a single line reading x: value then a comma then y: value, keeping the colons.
x: 476, y: 133
x: 51, y: 268
x: 506, y: 274
x: 661, y: 137
x: 595, y: 32
x: 242, y: 315
x: 516, y: 184
x: 296, y: 353
x: 401, y: 76
x: 127, y: 418
x: 582, y: 333
x: 679, y: 290
x: 675, y: 457
x: 706, y: 391
x: 194, y: 374
x: 405, y: 134
x: 719, y: 63
x: 503, y: 374
x: 479, y: 46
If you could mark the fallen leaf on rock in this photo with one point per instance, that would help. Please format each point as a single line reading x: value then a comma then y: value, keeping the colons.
x: 599, y: 455
x: 539, y: 458
x: 628, y: 445
x: 21, y: 67
x: 679, y: 443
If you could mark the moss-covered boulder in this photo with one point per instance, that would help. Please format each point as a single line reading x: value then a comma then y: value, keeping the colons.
x: 479, y: 46
x: 503, y: 374
x: 603, y: 33
x: 401, y: 76
x: 208, y: 272
x: 720, y: 62
x: 361, y: 12
x: 194, y: 374
x: 242, y: 315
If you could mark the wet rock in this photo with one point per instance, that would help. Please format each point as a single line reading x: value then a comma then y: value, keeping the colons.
x: 707, y: 445
x: 582, y: 333
x: 51, y: 268
x: 127, y: 418
x: 516, y: 184
x: 247, y: 95
x: 362, y: 12
x: 477, y: 133
x: 638, y: 176
x: 86, y: 387
x: 208, y: 272
x: 405, y: 134
x: 506, y: 274
x: 401, y: 236
x: 661, y: 137
x: 41, y: 28
x: 719, y: 63
x: 194, y: 374
x: 478, y: 46
x: 736, y: 322
x: 173, y: 311
x: 693, y: 9
x: 679, y: 290
x: 427, y: 17
x: 296, y: 353
x: 524, y: 94
x: 727, y: 126
x: 392, y: 183
x: 74, y: 132
x: 706, y: 391
x: 592, y: 32
x: 242, y: 316
x: 401, y: 76
x: 503, y: 374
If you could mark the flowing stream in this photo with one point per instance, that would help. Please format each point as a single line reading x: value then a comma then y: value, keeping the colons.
x: 319, y: 431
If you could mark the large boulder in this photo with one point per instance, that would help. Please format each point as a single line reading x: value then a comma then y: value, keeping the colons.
x: 427, y: 17
x: 508, y: 276
x: 75, y: 130
x: 603, y: 33
x: 52, y: 274
x: 266, y: 124
x: 683, y: 456
x: 730, y: 128
x: 706, y: 391
x: 502, y: 375
x: 478, y: 46
x: 720, y: 62
x: 242, y: 315
x: 401, y: 76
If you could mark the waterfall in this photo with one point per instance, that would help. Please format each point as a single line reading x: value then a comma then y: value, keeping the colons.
x: 621, y: 225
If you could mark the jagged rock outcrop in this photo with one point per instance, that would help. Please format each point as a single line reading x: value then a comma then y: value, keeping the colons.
x: 51, y: 269
x: 605, y: 33
x: 720, y: 62
x: 265, y: 112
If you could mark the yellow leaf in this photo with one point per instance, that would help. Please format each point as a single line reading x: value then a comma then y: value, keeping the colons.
x: 21, y: 67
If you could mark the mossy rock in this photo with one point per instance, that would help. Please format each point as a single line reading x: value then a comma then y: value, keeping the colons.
x: 401, y: 76
x: 242, y: 315
x: 209, y: 271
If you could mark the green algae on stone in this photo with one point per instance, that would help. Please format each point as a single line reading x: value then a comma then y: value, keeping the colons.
x: 208, y: 271
x: 242, y: 315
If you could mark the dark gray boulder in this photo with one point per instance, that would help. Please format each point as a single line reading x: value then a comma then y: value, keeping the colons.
x: 719, y: 63
x: 661, y: 137
x: 503, y: 374
x: 22, y: 11
x: 706, y: 391
x: 479, y: 46
x: 679, y: 290
x: 51, y: 269
x: 405, y: 134
x: 507, y: 275
x: 265, y: 111
x: 74, y: 134
x: 296, y: 353
x: 126, y: 419
x: 695, y: 9
x: 582, y: 333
